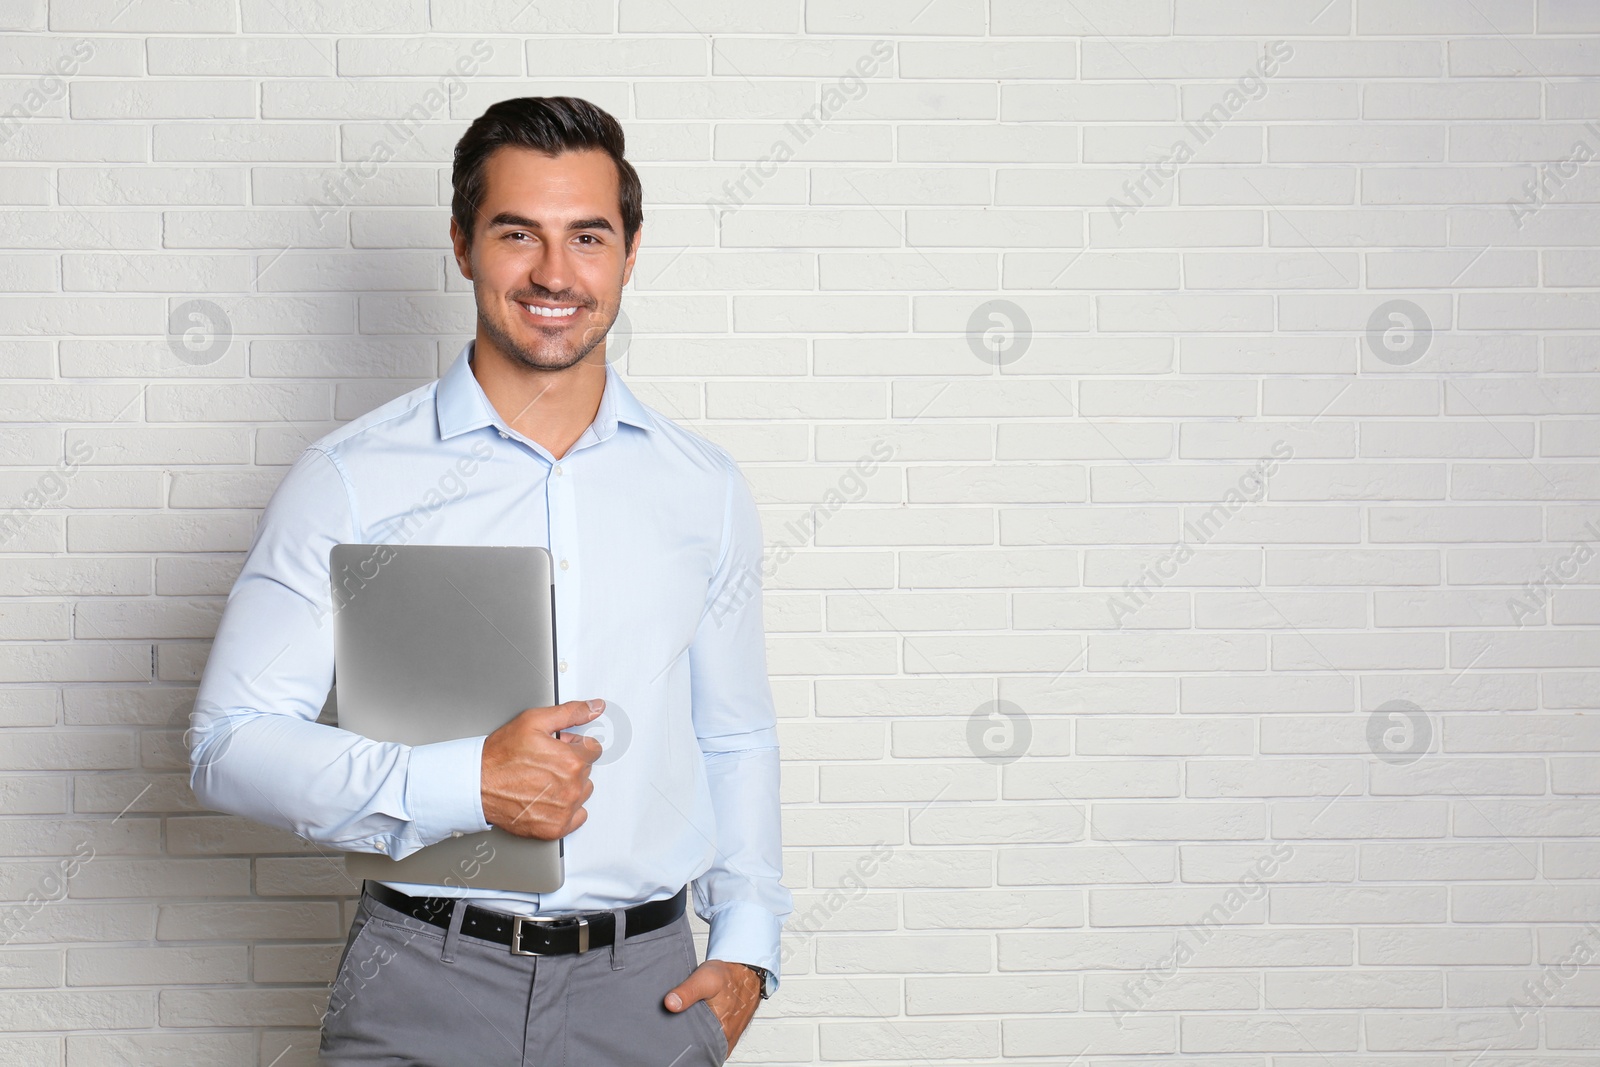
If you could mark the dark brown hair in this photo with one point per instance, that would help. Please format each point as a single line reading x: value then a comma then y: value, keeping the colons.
x: 549, y: 124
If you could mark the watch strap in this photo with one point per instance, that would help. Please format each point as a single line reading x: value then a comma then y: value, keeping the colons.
x: 766, y: 979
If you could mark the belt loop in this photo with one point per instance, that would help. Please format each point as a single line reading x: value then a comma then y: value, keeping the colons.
x: 458, y: 911
x: 620, y: 915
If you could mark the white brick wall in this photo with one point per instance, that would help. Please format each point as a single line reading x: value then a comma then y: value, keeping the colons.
x: 1293, y: 627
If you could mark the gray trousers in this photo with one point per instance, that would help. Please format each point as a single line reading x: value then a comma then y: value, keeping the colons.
x: 408, y: 994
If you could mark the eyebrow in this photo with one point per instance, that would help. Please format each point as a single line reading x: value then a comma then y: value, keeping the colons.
x: 508, y: 218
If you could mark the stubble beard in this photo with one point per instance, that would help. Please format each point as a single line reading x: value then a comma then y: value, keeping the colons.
x: 553, y: 355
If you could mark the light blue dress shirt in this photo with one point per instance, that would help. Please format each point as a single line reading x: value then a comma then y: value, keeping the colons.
x: 657, y: 549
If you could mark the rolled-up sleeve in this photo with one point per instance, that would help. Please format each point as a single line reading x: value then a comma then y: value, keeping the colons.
x: 742, y: 895
x: 255, y: 747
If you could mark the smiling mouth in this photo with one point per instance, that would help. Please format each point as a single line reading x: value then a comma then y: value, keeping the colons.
x: 544, y: 313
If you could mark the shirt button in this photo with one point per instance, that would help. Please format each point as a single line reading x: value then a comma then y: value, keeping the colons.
x: 562, y: 667
x: 563, y: 564
x: 455, y: 833
x: 504, y: 436
x: 558, y: 470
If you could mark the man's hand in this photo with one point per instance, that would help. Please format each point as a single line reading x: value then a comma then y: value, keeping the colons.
x: 732, y: 991
x: 533, y: 782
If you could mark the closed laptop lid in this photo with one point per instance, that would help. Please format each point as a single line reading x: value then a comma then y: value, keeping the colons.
x: 436, y: 642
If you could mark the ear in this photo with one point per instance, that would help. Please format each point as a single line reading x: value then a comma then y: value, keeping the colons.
x: 633, y: 253
x: 458, y: 242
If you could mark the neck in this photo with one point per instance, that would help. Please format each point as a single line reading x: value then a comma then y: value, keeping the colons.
x: 552, y: 407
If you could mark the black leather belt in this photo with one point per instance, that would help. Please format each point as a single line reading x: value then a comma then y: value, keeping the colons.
x: 538, y: 935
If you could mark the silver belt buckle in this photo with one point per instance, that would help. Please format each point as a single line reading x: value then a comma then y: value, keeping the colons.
x: 560, y: 920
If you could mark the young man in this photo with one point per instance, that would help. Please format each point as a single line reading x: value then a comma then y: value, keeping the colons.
x: 530, y: 438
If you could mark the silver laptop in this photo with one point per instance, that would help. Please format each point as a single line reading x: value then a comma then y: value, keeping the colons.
x: 436, y: 642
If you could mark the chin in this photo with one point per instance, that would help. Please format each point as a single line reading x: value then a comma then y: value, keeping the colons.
x: 543, y: 360
x: 527, y: 351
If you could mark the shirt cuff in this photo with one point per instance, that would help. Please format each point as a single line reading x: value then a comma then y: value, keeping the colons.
x: 743, y: 932
x: 444, y: 792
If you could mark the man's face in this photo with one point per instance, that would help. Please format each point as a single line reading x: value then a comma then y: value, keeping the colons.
x: 548, y: 236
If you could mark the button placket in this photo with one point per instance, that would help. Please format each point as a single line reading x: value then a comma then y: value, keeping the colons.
x: 561, y: 499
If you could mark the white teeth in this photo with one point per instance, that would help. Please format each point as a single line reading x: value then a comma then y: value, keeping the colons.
x: 552, y: 313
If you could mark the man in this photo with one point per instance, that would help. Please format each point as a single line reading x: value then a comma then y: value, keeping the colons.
x: 530, y: 438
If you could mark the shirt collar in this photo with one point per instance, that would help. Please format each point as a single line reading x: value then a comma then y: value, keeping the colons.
x: 462, y: 404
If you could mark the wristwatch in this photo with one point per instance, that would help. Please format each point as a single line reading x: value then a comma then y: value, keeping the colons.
x: 766, y: 979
